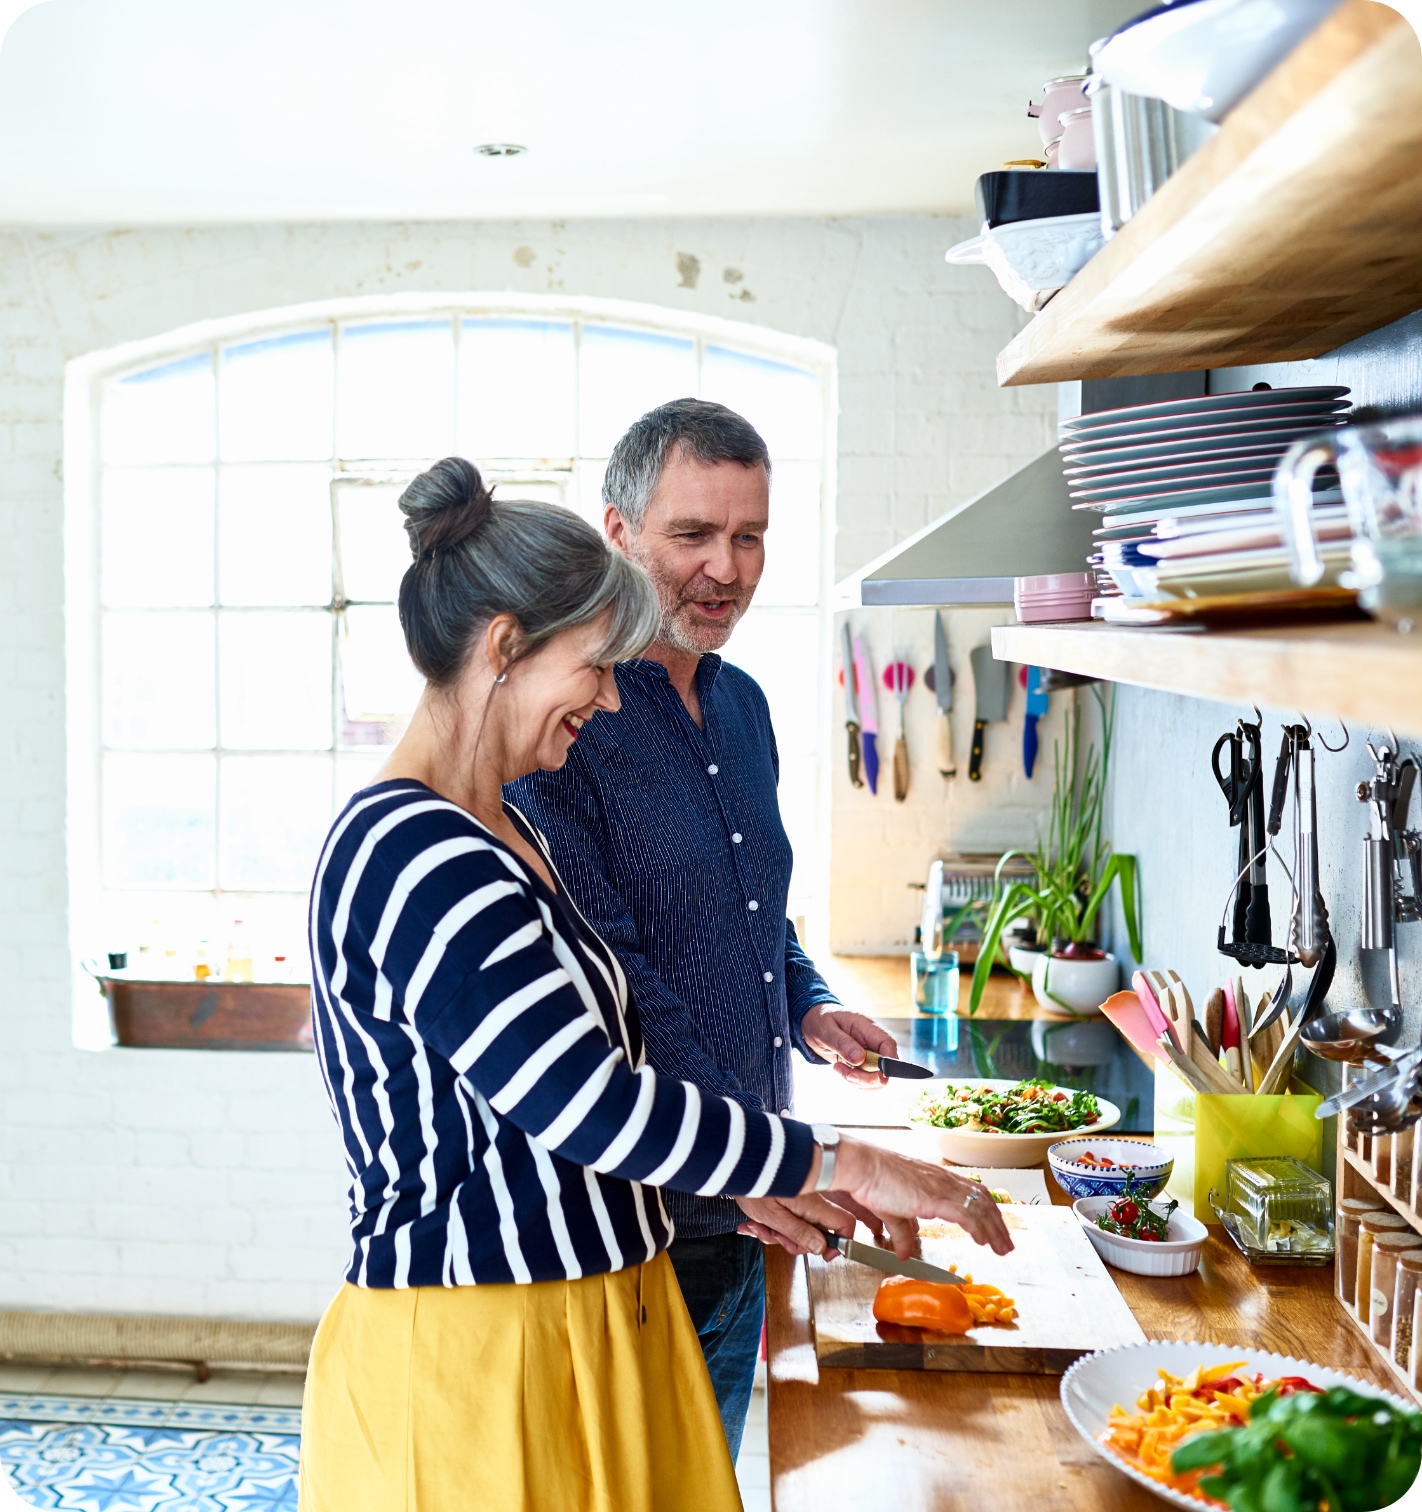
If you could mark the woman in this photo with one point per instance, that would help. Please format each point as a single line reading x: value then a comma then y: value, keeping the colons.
x: 511, y: 1335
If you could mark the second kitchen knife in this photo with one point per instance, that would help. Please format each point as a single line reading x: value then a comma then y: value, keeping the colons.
x: 851, y: 709
x: 990, y: 697
x: 868, y: 713
x: 1036, y: 707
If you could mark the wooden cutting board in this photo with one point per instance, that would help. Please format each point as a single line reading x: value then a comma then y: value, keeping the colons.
x: 1067, y: 1303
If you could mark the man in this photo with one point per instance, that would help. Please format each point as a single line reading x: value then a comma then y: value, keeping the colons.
x: 666, y: 830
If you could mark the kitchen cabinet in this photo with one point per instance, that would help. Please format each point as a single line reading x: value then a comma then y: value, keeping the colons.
x: 1367, y: 674
x: 890, y: 1440
x: 1293, y: 231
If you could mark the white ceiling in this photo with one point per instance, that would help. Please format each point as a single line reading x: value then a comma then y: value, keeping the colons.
x: 143, y: 111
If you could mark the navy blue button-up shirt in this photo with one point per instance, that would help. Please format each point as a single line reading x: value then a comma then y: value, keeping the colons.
x: 668, y: 838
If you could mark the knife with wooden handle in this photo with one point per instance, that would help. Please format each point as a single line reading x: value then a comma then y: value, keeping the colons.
x: 851, y: 709
x: 943, y: 692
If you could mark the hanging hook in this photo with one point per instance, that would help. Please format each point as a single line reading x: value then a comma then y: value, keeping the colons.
x: 1307, y: 724
x: 1335, y: 749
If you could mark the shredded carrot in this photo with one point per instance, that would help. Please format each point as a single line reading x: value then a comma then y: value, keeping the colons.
x: 1210, y: 1397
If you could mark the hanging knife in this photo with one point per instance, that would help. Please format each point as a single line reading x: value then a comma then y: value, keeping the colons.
x: 887, y: 1260
x: 943, y: 691
x: 868, y: 718
x: 851, y: 709
x: 1036, y: 707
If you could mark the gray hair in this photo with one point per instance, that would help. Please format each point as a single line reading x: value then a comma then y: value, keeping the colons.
x: 476, y: 559
x: 700, y: 429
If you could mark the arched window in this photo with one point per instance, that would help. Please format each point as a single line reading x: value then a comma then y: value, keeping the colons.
x: 237, y: 668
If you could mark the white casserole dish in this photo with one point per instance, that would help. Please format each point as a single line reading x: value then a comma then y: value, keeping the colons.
x: 1176, y: 1255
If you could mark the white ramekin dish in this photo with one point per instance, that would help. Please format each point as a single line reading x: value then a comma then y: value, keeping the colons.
x: 1176, y: 1255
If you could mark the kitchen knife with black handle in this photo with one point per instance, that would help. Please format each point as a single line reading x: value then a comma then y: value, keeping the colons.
x: 889, y: 1262
x: 990, y: 693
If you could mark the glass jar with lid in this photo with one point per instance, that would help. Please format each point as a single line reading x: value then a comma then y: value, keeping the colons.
x: 1369, y: 1229
x: 1351, y: 1212
x: 1386, y: 1249
x: 1404, y: 1306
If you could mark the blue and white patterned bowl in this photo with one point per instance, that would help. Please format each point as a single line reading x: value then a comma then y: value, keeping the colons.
x: 1150, y: 1166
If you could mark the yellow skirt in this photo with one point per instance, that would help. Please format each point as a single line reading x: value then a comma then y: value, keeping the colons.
x: 563, y: 1396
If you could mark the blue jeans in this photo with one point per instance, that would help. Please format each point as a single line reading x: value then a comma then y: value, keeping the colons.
x: 723, y: 1281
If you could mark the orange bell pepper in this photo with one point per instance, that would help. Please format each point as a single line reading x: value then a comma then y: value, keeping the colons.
x: 923, y: 1304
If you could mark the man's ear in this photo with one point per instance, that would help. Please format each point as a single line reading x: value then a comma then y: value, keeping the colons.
x: 615, y: 527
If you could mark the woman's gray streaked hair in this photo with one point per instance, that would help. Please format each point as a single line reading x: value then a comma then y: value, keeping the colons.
x: 476, y: 558
x: 708, y: 432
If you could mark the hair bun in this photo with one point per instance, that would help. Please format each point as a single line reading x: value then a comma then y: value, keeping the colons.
x: 444, y: 507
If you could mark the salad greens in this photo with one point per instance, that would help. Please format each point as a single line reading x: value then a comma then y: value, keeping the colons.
x: 1330, y: 1451
x: 1030, y: 1107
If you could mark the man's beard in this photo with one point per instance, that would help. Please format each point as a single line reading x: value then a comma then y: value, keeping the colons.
x: 679, y: 629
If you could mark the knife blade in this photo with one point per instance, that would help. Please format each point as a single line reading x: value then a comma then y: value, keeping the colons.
x: 868, y: 715
x: 1036, y: 707
x: 943, y: 691
x: 889, y: 1262
x: 851, y: 709
x: 891, y: 1067
x: 990, y: 693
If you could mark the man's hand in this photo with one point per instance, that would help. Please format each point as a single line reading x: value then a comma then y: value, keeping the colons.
x: 797, y: 1223
x: 843, y: 1037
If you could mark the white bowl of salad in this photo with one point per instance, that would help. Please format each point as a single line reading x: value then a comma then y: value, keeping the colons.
x: 1007, y: 1123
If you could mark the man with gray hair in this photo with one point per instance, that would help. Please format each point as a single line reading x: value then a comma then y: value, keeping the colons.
x: 666, y: 831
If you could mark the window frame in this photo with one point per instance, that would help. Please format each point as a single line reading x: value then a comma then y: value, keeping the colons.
x: 85, y: 377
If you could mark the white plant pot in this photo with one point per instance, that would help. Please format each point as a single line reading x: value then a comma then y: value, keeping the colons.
x: 1023, y: 959
x: 1081, y: 986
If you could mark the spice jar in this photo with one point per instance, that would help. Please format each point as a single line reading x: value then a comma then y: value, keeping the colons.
x: 1386, y: 1249
x: 1405, y: 1293
x: 1351, y: 1212
x: 1372, y: 1225
x: 1402, y: 1149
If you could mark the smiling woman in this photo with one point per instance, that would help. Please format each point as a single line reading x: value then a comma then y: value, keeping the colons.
x: 239, y: 666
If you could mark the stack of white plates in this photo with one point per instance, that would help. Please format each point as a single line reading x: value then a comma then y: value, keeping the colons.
x: 1054, y: 596
x: 1213, y: 452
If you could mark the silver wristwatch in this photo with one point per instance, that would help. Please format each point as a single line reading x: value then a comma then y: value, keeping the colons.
x: 827, y: 1137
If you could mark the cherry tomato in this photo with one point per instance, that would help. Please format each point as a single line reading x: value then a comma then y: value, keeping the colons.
x: 1125, y: 1211
x: 1149, y: 1234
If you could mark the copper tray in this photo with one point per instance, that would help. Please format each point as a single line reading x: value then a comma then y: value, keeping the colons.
x: 208, y: 1015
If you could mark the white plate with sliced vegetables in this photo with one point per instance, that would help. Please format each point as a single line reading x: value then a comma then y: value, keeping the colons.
x: 998, y: 1122
x: 1099, y: 1384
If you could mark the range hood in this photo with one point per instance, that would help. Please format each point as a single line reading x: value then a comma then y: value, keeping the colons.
x: 1021, y: 527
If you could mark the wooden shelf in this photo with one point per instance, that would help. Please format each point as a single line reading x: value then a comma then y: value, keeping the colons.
x: 1382, y: 1168
x: 1366, y: 674
x: 1296, y: 229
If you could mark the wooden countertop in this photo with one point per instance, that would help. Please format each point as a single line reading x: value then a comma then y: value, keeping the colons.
x: 918, y: 1441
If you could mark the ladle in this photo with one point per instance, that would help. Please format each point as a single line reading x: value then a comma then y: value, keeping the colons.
x: 1351, y: 1036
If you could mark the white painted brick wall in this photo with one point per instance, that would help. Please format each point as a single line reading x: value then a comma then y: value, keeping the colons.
x: 212, y: 1184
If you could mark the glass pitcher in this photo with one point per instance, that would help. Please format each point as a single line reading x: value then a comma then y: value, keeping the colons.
x: 1380, y: 470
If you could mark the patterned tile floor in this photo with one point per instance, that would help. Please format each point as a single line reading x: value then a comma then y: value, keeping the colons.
x: 139, y: 1441
x: 160, y: 1441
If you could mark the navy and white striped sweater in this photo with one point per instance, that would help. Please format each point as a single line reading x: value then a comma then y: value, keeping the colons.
x: 485, y: 1065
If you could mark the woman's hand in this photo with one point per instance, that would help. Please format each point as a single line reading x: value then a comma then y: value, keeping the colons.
x: 897, y: 1187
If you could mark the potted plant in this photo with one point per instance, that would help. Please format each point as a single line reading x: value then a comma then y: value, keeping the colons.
x: 1074, y: 869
